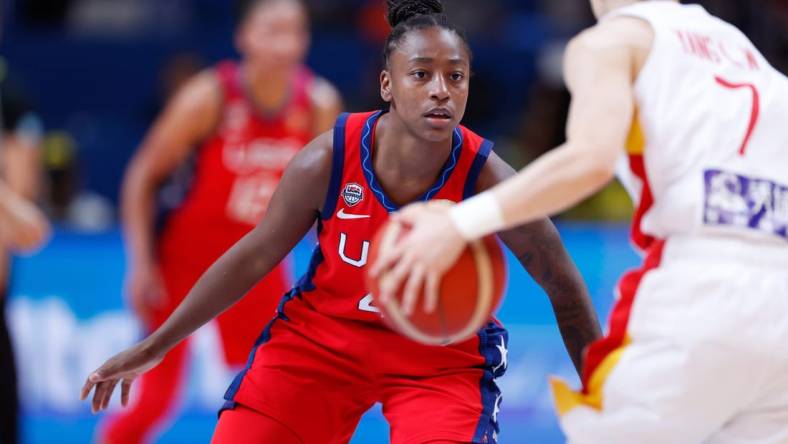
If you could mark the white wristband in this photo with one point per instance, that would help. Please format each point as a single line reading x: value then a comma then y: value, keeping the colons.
x: 478, y: 216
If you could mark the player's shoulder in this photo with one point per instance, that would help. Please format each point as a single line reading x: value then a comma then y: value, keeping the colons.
x: 612, y: 33
x: 494, y: 171
x: 322, y: 94
x: 201, y: 92
x: 621, y: 42
x: 316, y: 156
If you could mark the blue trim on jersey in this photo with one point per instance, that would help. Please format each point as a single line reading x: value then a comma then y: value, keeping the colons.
x: 305, y: 283
x: 476, y: 168
x: 369, y: 173
x: 337, y: 166
x: 265, y: 336
x: 491, y: 338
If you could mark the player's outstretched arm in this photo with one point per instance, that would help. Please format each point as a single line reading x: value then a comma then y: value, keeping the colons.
x: 295, y: 205
x: 538, y: 247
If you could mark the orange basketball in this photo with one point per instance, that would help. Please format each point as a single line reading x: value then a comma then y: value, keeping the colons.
x: 469, y: 292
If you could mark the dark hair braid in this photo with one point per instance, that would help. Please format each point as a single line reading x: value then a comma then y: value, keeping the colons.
x: 400, y: 11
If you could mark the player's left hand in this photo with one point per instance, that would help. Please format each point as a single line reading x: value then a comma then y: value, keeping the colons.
x: 124, y: 367
x: 423, y: 255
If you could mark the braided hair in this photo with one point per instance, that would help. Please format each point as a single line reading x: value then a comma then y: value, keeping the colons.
x: 405, y: 16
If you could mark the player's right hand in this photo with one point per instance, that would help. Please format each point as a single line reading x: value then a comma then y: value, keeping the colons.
x: 145, y: 290
x: 124, y: 368
x: 23, y: 226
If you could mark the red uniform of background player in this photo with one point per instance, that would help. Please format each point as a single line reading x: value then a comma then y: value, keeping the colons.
x: 326, y: 357
x: 247, y: 121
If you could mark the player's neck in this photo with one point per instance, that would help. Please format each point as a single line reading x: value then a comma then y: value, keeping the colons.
x: 406, y: 164
x: 269, y: 88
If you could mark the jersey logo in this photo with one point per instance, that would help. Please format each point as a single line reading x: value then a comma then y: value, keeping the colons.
x: 744, y: 202
x: 346, y: 216
x: 353, y: 194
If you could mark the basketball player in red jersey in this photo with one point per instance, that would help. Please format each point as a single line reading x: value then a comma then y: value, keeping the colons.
x: 326, y: 357
x: 244, y: 122
x: 691, y: 117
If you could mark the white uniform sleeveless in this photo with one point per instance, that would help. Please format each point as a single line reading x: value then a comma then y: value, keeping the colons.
x: 712, y: 112
x: 696, y: 348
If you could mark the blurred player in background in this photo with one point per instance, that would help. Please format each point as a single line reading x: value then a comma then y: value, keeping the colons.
x: 243, y: 122
x: 22, y: 225
x: 696, y: 350
x: 327, y: 357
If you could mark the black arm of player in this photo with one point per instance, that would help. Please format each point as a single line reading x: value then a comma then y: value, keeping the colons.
x: 539, y: 249
x: 295, y: 205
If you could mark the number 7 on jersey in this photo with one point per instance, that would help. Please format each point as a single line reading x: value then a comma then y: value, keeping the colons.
x: 755, y: 111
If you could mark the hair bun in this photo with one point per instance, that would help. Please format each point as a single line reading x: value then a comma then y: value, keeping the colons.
x: 402, y: 10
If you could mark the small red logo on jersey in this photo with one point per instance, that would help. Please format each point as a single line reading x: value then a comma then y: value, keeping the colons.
x: 353, y: 194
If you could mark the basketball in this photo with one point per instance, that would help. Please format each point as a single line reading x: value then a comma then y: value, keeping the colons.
x: 468, y: 295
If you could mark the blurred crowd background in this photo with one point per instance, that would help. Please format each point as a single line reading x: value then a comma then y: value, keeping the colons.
x: 82, y: 80
x: 98, y: 71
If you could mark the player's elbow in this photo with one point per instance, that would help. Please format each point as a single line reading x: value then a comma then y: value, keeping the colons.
x: 134, y: 180
x: 143, y: 172
x: 140, y: 182
x: 602, y: 172
x: 599, y: 163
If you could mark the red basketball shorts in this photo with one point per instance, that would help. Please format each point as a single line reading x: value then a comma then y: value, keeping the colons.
x: 316, y: 375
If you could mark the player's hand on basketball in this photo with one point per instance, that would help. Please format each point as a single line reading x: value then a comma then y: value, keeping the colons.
x: 23, y: 226
x: 122, y: 368
x: 421, y: 257
x: 145, y: 290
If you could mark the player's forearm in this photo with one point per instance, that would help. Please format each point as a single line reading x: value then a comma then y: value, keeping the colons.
x: 557, y: 181
x: 22, y: 170
x: 574, y: 313
x: 577, y: 322
x: 10, y: 202
x: 138, y: 206
x: 551, y: 184
x: 541, y: 252
x: 6, y: 200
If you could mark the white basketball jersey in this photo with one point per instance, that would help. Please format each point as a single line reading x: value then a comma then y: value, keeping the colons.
x: 708, y: 150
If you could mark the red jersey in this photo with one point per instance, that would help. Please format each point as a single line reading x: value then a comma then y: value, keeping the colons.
x: 239, y: 166
x: 317, y: 365
x: 356, y: 206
